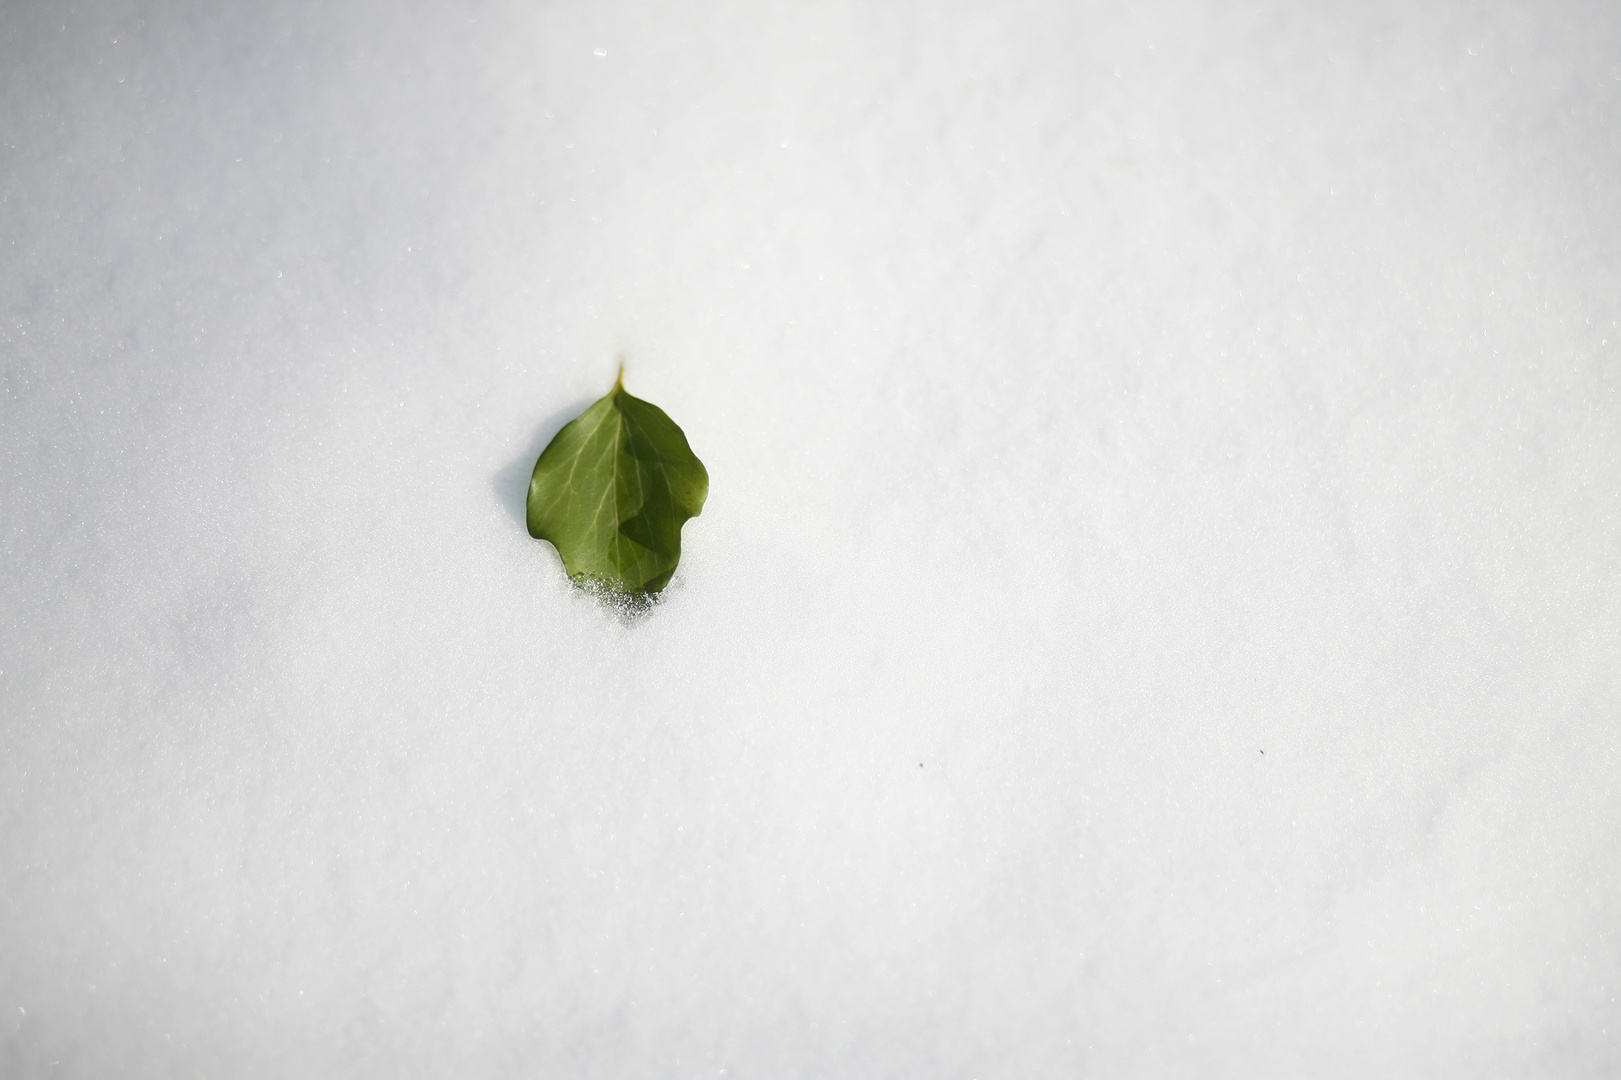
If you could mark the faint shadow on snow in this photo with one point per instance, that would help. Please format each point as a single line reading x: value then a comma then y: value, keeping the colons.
x: 511, y: 483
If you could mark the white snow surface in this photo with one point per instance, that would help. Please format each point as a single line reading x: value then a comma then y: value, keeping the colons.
x: 1157, y: 613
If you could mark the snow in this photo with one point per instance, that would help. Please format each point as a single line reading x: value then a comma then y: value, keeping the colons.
x: 1156, y: 614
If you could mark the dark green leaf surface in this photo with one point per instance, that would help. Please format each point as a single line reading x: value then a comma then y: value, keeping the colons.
x: 612, y: 490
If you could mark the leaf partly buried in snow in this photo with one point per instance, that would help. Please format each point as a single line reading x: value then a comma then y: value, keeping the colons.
x: 612, y: 490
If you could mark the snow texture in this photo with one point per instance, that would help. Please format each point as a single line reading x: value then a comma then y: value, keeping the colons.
x: 1158, y: 611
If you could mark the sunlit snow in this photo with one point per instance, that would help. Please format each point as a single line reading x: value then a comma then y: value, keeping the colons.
x: 1157, y: 611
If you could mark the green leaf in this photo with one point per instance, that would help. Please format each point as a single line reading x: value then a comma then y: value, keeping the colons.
x: 612, y: 490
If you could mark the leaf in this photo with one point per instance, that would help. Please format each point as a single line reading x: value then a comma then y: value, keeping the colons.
x: 612, y: 490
